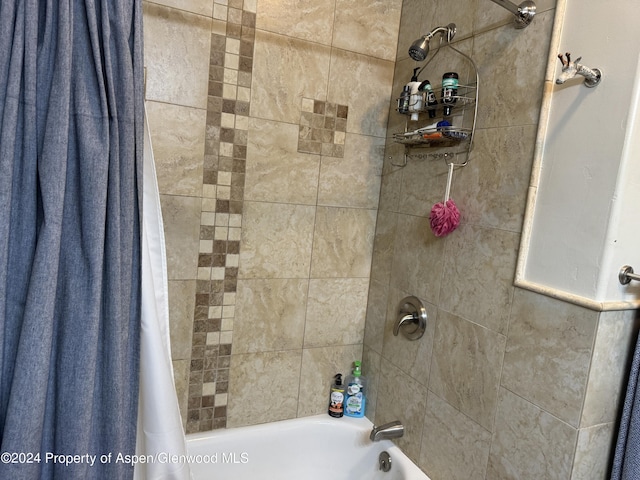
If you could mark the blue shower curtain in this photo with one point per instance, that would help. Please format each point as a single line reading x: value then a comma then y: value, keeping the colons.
x: 71, y: 113
x: 626, y: 462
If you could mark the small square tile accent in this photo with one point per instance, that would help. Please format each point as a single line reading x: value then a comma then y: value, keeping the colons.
x: 322, y: 128
x: 230, y: 71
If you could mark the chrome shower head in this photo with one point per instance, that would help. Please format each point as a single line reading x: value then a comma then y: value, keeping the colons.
x: 420, y: 48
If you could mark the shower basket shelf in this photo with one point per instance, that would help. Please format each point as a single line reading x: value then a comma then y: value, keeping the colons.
x: 431, y: 136
x: 459, y: 134
x: 434, y: 137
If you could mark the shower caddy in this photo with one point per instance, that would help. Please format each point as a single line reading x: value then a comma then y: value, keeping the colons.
x: 457, y: 138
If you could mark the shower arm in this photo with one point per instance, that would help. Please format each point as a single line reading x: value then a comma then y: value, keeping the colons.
x: 524, y: 12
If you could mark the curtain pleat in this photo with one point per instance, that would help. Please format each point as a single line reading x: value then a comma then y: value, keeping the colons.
x: 71, y: 106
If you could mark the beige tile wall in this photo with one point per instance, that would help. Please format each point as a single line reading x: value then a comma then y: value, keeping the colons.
x: 269, y: 244
x: 309, y: 219
x: 505, y: 383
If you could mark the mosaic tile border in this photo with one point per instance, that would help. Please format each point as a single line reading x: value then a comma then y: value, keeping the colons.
x: 229, y: 93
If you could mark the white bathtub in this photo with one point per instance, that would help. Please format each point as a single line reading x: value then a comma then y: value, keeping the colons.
x: 309, y: 448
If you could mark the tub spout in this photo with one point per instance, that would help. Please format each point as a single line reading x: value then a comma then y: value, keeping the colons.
x: 389, y: 430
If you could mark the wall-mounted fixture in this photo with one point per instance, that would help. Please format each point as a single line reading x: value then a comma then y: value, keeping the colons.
x: 626, y: 275
x: 420, y: 48
x: 412, y: 318
x: 592, y: 76
x: 523, y: 13
x: 458, y: 106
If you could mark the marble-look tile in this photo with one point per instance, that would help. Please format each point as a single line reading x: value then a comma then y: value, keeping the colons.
x: 276, y: 240
x: 376, y: 315
x: 176, y: 50
x: 512, y: 63
x: 177, y: 136
x: 319, y: 366
x: 276, y: 172
x: 262, y: 387
x: 285, y: 70
x: 391, y: 185
x: 181, y: 380
x: 181, y: 218
x: 370, y: 29
x: 411, y: 24
x: 353, y: 181
x: 459, y: 12
x: 336, y: 311
x: 549, y: 352
x: 182, y: 294
x: 454, y: 447
x: 383, y: 246
x: 412, y: 357
x: 612, y: 352
x: 201, y: 7
x: 418, y: 258
x: 394, y: 155
x: 362, y: 83
x: 492, y: 189
x: 304, y: 19
x: 371, y: 370
x: 269, y: 315
x: 423, y: 184
x: 478, y: 280
x: 529, y: 443
x: 466, y: 364
x: 594, y: 453
x: 401, y: 398
x: 343, y: 242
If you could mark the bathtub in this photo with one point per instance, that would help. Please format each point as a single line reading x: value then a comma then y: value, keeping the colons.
x: 309, y: 448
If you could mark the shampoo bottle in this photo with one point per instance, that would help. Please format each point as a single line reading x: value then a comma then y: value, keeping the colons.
x: 336, y: 397
x: 355, y: 399
x: 415, y: 101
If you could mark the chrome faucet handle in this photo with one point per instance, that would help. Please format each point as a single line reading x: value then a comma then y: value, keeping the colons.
x: 404, y: 320
x: 412, y: 318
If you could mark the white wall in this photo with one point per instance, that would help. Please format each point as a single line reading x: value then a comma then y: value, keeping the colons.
x: 582, y: 224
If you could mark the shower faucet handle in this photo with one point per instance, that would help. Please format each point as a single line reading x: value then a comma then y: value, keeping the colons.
x: 412, y: 318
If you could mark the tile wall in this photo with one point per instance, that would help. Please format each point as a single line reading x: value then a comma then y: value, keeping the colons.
x: 506, y: 383
x: 268, y: 120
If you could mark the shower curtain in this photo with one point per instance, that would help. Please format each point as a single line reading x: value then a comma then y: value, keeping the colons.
x: 160, y: 431
x: 626, y: 462
x: 71, y: 119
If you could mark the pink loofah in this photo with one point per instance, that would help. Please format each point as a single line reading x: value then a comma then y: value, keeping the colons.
x: 444, y: 218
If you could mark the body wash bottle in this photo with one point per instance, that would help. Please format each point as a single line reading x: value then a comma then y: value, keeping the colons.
x: 336, y: 397
x: 355, y: 398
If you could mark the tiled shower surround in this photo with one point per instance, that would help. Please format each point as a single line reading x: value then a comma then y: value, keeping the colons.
x: 289, y: 248
x: 269, y: 165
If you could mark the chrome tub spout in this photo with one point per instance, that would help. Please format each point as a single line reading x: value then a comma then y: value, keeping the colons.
x: 389, y: 430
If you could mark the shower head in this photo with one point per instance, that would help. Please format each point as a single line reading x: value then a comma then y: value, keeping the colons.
x: 420, y: 48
